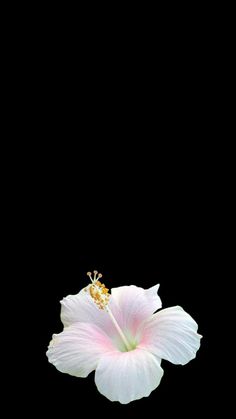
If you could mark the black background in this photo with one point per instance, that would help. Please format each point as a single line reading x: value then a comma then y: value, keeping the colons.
x: 142, y: 206
x: 137, y: 226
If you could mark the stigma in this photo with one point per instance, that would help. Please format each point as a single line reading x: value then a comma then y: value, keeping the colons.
x: 98, y: 291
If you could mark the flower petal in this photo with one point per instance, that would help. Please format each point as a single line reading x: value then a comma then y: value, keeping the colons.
x: 135, y: 304
x: 81, y: 308
x: 129, y: 304
x: 171, y: 334
x: 128, y: 376
x: 78, y: 349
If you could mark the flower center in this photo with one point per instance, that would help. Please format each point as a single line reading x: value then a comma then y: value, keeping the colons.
x: 101, y: 296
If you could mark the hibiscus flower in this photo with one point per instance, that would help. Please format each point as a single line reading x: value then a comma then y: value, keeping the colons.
x: 122, y: 338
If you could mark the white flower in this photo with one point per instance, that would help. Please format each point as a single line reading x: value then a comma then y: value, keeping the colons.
x: 119, y: 337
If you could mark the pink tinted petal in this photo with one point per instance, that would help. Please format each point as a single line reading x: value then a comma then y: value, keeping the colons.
x: 135, y: 305
x: 171, y: 334
x: 128, y: 376
x: 82, y: 308
x: 78, y: 349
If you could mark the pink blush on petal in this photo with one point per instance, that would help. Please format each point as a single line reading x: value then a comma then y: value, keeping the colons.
x: 144, y: 340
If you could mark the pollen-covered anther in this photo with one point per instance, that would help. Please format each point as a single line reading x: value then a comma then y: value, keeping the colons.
x: 98, y: 291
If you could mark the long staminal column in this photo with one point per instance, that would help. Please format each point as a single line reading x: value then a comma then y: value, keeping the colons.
x: 125, y: 341
x: 101, y: 296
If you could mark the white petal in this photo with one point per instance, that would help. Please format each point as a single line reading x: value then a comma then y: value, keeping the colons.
x: 78, y: 349
x: 81, y: 308
x: 171, y: 334
x: 128, y: 376
x: 129, y: 304
x: 135, y: 304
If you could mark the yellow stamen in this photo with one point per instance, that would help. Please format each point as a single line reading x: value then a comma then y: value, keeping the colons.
x: 98, y: 291
x: 100, y: 295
